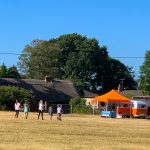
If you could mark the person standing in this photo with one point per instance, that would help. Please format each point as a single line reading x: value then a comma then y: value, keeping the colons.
x: 50, y: 111
x: 17, y: 108
x: 26, y: 109
x: 59, y: 113
x: 41, y: 109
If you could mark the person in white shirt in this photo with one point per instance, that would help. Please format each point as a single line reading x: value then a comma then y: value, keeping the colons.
x: 17, y: 108
x: 41, y: 109
x: 59, y: 112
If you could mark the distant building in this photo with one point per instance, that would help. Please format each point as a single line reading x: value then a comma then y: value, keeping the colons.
x: 53, y: 91
x: 132, y: 93
x: 90, y: 97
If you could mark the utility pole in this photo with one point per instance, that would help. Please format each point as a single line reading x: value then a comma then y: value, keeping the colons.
x: 122, y: 80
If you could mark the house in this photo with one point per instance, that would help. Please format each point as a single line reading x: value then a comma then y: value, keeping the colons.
x: 90, y: 97
x: 53, y: 91
x: 132, y: 93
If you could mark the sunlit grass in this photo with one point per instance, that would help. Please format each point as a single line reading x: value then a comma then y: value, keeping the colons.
x: 74, y: 132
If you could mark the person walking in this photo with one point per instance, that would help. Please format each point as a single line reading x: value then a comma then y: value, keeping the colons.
x: 17, y: 108
x: 59, y: 113
x: 26, y: 109
x: 50, y: 111
x: 41, y: 109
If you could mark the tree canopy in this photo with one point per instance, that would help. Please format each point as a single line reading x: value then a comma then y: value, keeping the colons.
x: 145, y: 74
x: 10, y: 72
x: 75, y: 57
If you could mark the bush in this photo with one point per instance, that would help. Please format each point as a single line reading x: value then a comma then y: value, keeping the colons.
x: 78, y: 106
x: 9, y: 94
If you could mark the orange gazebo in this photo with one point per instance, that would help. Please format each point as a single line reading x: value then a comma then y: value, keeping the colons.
x: 112, y: 96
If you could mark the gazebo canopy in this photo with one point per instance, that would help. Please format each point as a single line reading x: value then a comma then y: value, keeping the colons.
x: 112, y: 96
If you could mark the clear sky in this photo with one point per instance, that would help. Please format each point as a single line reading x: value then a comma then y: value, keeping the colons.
x: 122, y: 25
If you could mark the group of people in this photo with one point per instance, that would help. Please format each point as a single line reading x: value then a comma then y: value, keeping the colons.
x: 26, y: 109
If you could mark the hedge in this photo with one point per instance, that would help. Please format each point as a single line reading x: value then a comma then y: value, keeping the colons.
x: 9, y: 94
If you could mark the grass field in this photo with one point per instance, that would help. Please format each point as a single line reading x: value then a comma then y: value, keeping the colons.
x: 74, y: 132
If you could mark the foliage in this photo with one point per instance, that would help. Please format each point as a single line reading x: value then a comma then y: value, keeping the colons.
x: 78, y: 58
x: 3, y: 71
x: 78, y: 106
x: 115, y: 72
x: 40, y: 59
x: 145, y: 74
x: 9, y: 94
x: 10, y: 72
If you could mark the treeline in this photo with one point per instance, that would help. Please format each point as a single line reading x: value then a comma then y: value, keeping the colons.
x: 9, y: 94
x: 9, y: 72
x: 78, y: 58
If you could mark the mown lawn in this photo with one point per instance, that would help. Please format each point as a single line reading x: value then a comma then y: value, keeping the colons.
x: 74, y: 132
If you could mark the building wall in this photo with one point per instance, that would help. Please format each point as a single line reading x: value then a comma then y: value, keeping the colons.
x: 90, y: 101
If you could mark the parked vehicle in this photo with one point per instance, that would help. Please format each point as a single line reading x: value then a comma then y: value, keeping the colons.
x: 137, y: 108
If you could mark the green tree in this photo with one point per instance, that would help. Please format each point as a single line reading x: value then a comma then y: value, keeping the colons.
x: 75, y: 57
x: 115, y: 71
x: 12, y: 72
x: 81, y: 58
x: 79, y: 106
x: 144, y: 79
x: 90, y: 67
x: 40, y: 59
x: 3, y: 71
x: 25, y: 62
x: 9, y: 94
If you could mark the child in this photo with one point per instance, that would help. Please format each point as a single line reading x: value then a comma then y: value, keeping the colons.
x: 41, y: 109
x: 59, y: 112
x: 50, y: 111
x: 17, y: 108
x: 26, y: 109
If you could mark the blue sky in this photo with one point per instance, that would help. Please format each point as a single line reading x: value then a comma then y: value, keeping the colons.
x: 122, y: 25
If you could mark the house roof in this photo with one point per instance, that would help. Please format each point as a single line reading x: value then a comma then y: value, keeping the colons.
x: 131, y: 93
x: 58, y: 90
x: 88, y: 94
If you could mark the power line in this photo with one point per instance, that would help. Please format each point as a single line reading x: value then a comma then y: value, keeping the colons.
x: 131, y: 57
x: 9, y: 54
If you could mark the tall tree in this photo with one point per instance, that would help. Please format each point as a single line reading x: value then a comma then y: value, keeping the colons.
x: 3, y: 71
x: 40, y: 59
x: 75, y: 57
x: 117, y: 73
x: 12, y: 72
x: 84, y: 64
x: 145, y: 74
x: 90, y: 66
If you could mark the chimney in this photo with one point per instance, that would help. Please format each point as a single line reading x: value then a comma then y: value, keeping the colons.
x: 48, y: 78
x: 49, y: 81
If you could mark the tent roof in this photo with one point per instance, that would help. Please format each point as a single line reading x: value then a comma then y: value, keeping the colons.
x: 112, y: 96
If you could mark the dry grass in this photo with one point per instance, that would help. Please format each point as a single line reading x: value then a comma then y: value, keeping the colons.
x: 75, y: 132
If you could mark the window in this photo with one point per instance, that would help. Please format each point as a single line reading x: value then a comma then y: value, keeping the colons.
x: 141, y: 106
x: 125, y: 105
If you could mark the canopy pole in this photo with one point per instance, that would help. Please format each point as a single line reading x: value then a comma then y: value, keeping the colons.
x: 107, y: 106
